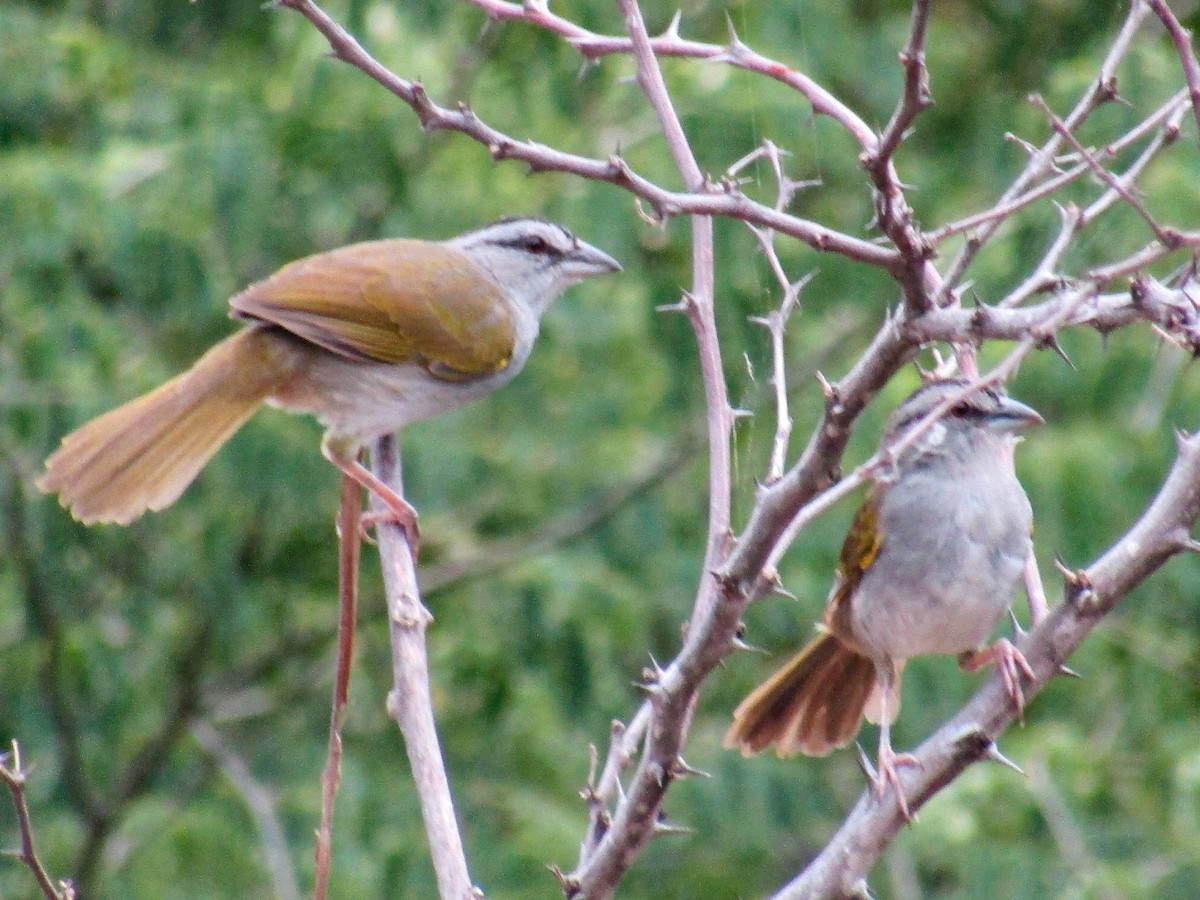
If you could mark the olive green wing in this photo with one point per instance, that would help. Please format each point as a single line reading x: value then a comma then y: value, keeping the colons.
x: 859, y: 550
x: 395, y: 301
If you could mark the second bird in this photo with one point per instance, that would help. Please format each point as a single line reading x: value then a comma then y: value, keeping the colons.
x: 930, y: 566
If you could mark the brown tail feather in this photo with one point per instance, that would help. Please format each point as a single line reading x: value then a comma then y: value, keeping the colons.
x: 812, y: 705
x: 141, y: 456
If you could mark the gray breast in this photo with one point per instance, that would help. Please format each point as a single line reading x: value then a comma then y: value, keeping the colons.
x: 952, y: 555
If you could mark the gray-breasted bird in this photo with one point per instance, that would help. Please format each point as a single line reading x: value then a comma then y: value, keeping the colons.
x: 367, y: 338
x: 930, y: 565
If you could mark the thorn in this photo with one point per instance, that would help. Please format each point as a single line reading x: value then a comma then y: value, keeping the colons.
x: 860, y: 891
x: 864, y: 763
x: 735, y: 42
x: 739, y: 413
x: 1018, y: 629
x: 827, y: 389
x: 681, y: 769
x: 1052, y: 343
x: 654, y: 672
x: 1068, y: 672
x: 662, y: 826
x: 588, y: 794
x: 1082, y: 593
x: 992, y: 753
x: 672, y: 30
x: 649, y: 688
x: 655, y: 217
x: 739, y: 641
x: 1070, y: 575
x: 771, y: 576
x: 570, y: 886
x: 678, y: 307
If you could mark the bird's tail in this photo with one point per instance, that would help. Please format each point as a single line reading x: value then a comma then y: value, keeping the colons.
x: 142, y: 455
x: 813, y: 705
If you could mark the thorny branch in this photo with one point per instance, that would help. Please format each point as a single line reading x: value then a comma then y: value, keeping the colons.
x: 15, y: 775
x: 621, y: 819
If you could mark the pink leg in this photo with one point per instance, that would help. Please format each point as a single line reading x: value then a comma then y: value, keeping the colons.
x: 889, y: 762
x: 1038, y: 607
x: 1011, y: 664
x: 399, y: 511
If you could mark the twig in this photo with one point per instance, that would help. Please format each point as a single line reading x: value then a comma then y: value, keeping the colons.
x: 1168, y: 237
x: 593, y: 46
x: 349, y: 523
x: 1187, y: 54
x: 712, y: 201
x: 637, y: 813
x: 1102, y: 90
x: 1000, y: 211
x: 776, y: 324
x: 918, y: 278
x: 14, y: 776
x: 916, y: 97
x: 410, y: 702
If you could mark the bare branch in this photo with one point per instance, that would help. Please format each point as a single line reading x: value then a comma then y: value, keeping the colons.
x: 1187, y: 54
x: 712, y: 200
x: 1168, y: 237
x: 776, y: 324
x: 1102, y: 90
x: 14, y: 775
x: 638, y: 813
x: 410, y: 702
x: 916, y: 97
x: 735, y: 53
x: 624, y: 810
x: 349, y: 523
x: 1164, y: 118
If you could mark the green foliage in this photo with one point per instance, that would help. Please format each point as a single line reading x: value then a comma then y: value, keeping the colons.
x: 155, y: 158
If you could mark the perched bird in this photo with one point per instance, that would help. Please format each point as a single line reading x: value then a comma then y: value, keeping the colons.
x: 930, y: 565
x: 367, y: 338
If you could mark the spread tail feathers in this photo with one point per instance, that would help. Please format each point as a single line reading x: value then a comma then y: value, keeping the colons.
x: 813, y: 705
x: 142, y: 455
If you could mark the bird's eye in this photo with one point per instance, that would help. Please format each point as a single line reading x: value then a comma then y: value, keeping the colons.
x: 535, y: 243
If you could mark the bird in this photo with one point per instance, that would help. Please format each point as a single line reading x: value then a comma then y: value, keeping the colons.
x: 368, y: 338
x: 930, y: 566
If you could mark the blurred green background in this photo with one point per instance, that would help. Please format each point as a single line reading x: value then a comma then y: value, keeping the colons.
x: 154, y: 158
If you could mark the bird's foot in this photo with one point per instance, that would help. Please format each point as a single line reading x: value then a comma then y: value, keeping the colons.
x: 1010, y: 663
x: 404, y: 517
x: 888, y: 775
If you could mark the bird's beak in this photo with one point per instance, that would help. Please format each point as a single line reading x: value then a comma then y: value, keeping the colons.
x: 1013, y: 416
x: 585, y: 261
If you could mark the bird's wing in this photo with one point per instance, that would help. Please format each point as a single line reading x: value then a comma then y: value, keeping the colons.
x: 395, y: 301
x: 859, y: 550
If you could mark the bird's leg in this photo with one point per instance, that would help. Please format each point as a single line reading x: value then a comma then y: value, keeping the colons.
x: 399, y: 511
x: 889, y: 761
x: 1010, y: 663
x: 1038, y: 607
